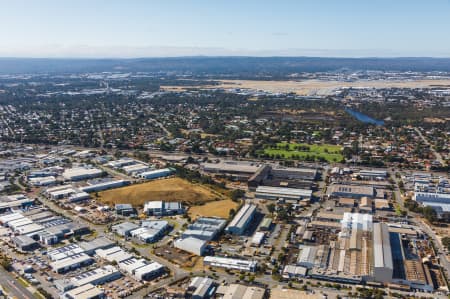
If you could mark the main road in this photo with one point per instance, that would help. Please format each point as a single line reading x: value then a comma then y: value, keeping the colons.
x: 13, y: 287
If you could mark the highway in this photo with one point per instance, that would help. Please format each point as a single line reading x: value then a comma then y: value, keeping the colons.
x: 13, y: 287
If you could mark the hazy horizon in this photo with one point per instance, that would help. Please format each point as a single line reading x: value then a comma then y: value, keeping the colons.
x: 174, y: 28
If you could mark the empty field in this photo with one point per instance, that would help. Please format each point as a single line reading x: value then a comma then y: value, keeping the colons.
x: 219, y: 208
x: 173, y: 189
x: 313, y: 86
x: 301, y: 151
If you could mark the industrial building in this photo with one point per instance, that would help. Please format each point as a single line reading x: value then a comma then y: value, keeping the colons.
x: 124, y: 229
x: 257, y: 239
x: 266, y: 224
x: 373, y: 174
x: 25, y: 243
x: 383, y: 265
x: 71, y: 263
x: 97, y: 276
x: 113, y: 254
x: 275, y: 193
x: 191, y: 245
x: 64, y: 252
x: 90, y: 247
x: 120, y: 163
x: 105, y: 186
x: 233, y: 291
x: 60, y: 192
x: 230, y: 263
x: 124, y: 209
x: 277, y: 176
x: 149, y: 271
x: 81, y: 173
x: 163, y: 208
x: 141, y: 269
x: 8, y: 203
x: 294, y: 272
x: 241, y: 220
x: 87, y: 291
x: 79, y: 196
x: 205, y: 228
x: 352, y: 191
x: 201, y: 287
x: 150, y: 231
x: 155, y: 174
x: 307, y: 257
x: 240, y: 170
x: 135, y: 169
x: 440, y: 202
x: 42, y: 181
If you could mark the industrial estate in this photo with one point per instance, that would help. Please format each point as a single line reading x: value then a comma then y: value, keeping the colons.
x: 170, y: 184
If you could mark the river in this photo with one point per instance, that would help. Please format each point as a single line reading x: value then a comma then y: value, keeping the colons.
x: 364, y: 118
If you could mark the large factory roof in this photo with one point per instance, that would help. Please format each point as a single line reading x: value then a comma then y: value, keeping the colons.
x: 280, y: 191
x: 382, y: 246
x: 242, y: 217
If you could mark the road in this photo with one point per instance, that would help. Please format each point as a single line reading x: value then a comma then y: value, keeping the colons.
x: 437, y: 242
x: 13, y: 287
x: 418, y: 221
x: 436, y: 154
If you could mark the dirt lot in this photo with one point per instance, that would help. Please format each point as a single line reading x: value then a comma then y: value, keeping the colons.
x: 177, y: 256
x: 173, y: 189
x: 219, y: 208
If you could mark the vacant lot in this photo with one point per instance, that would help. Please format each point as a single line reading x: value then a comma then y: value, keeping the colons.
x: 302, y: 151
x: 313, y: 86
x: 173, y: 189
x: 219, y: 208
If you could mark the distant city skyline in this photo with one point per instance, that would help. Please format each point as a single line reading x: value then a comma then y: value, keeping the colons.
x: 139, y: 28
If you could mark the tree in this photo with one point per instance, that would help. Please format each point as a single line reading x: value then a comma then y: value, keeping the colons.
x: 231, y: 213
x: 446, y: 242
x: 271, y: 208
x: 237, y: 194
x: 429, y: 213
x: 6, y: 263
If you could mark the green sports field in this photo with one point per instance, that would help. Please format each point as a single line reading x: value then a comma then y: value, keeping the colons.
x: 303, y: 151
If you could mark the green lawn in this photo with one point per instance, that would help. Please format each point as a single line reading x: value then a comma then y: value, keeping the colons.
x: 302, y: 151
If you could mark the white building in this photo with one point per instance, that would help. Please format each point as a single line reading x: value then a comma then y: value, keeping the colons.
x: 141, y: 269
x: 87, y: 291
x: 162, y: 208
x: 149, y: 271
x: 257, y: 239
x: 150, y: 231
x: 191, y: 245
x: 154, y: 174
x: 97, y: 276
x: 113, y: 254
x: 105, y: 186
x: 71, y: 263
x: 205, y: 228
x: 135, y: 169
x: 64, y: 252
x: 242, y: 219
x: 230, y: 263
x: 383, y: 264
x: 274, y: 193
x: 307, y: 256
x: 81, y: 173
x: 42, y: 181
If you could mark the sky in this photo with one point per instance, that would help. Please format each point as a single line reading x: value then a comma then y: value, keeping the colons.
x: 158, y: 28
